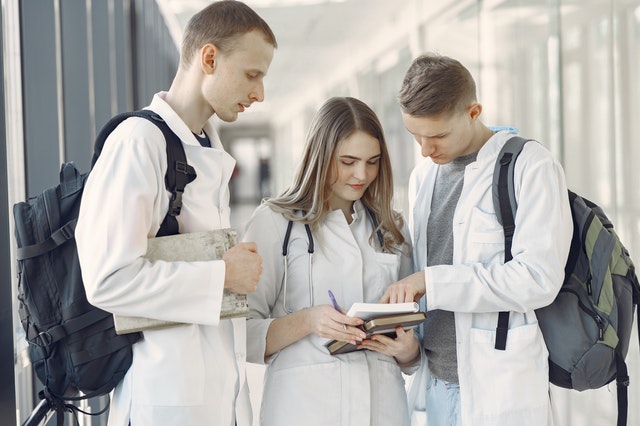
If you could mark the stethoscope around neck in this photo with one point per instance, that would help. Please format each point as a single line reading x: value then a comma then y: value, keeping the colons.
x: 310, y: 251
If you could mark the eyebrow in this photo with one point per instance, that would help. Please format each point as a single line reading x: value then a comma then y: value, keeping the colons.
x: 351, y: 157
x: 256, y: 71
x: 438, y: 135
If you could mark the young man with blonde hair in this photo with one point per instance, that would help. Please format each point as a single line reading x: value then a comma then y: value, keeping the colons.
x: 192, y: 374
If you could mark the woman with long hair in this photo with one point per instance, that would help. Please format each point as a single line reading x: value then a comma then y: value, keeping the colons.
x: 333, y: 231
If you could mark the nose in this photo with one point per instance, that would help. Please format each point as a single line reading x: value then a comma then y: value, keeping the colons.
x: 257, y: 94
x: 427, y: 148
x: 362, y: 170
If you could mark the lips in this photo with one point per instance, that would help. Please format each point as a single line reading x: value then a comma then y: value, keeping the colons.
x: 357, y: 187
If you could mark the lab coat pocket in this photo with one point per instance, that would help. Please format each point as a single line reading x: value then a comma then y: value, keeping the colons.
x: 390, y: 397
x: 486, y: 237
x: 308, y: 394
x: 517, y: 376
x: 164, y: 377
x: 387, y: 271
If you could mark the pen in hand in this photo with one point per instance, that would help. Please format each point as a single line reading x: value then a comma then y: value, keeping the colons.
x: 335, y: 305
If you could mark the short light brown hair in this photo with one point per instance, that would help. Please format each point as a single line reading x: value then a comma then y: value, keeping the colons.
x: 220, y: 24
x: 436, y: 85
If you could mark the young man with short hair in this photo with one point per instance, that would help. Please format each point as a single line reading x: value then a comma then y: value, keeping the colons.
x: 192, y: 374
x: 459, y: 255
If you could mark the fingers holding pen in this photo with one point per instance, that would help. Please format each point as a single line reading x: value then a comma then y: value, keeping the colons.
x: 329, y: 323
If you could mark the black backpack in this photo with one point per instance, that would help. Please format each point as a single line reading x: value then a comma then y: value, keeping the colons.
x: 587, y: 328
x: 73, y: 345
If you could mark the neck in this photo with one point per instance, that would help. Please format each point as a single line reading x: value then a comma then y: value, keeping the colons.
x: 186, y: 100
x: 482, y: 136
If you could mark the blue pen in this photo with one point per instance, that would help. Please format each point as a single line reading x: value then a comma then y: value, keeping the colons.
x: 335, y: 305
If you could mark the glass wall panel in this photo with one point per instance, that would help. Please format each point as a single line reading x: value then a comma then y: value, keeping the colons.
x: 627, y: 126
x: 400, y: 143
x: 454, y: 33
x: 587, y: 59
x: 626, y: 64
x: 518, y: 83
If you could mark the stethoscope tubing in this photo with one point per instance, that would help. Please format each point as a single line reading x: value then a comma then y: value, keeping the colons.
x: 310, y: 250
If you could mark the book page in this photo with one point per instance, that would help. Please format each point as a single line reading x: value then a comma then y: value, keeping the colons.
x: 369, y: 310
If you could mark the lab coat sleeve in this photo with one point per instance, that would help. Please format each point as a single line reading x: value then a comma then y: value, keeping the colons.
x: 266, y: 229
x: 540, y: 248
x: 123, y: 204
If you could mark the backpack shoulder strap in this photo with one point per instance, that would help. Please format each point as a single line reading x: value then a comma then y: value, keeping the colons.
x: 504, y: 201
x: 503, y: 181
x: 179, y: 173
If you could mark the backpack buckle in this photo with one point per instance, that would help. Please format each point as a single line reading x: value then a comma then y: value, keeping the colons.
x: 623, y: 381
x: 45, y: 339
x: 176, y: 203
x: 182, y: 167
x: 67, y: 231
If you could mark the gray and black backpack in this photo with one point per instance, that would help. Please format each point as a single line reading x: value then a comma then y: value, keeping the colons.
x: 587, y: 328
x: 73, y: 346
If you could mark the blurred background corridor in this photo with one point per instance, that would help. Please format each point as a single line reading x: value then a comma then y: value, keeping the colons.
x: 564, y: 72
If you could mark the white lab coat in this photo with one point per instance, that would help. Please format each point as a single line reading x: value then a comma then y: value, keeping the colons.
x: 497, y: 387
x: 304, y: 384
x: 187, y: 375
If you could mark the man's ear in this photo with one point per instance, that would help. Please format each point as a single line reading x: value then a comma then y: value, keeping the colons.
x: 208, y: 57
x: 475, y: 109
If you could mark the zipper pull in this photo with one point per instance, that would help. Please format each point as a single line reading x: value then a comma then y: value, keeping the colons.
x: 600, y: 326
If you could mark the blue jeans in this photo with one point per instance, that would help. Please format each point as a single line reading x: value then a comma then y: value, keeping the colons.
x: 443, y: 403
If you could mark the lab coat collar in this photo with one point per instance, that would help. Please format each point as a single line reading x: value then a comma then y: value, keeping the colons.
x: 357, y: 212
x: 179, y: 127
x: 492, y: 147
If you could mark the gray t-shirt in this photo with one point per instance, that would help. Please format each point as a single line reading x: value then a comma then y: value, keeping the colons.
x: 439, y: 329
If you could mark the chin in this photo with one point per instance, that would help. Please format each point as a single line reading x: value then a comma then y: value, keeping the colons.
x: 228, y: 118
x: 440, y: 160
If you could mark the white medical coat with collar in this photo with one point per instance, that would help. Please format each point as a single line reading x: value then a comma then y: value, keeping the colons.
x: 304, y: 384
x: 498, y: 387
x: 192, y: 374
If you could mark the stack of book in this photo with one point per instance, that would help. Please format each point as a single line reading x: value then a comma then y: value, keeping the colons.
x: 380, y: 318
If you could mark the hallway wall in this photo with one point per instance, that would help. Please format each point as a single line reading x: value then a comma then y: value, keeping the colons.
x: 68, y: 67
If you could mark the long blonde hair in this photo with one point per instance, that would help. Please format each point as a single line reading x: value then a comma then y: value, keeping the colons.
x: 307, y: 198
